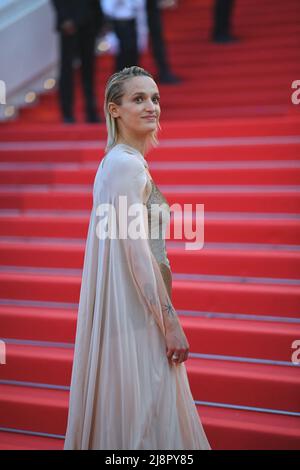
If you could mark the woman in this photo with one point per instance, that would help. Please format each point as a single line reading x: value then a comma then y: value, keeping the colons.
x: 129, y: 387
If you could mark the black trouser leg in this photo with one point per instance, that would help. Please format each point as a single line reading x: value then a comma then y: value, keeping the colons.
x: 128, y: 54
x: 86, y: 46
x: 66, y: 84
x: 222, y: 17
x: 156, y: 34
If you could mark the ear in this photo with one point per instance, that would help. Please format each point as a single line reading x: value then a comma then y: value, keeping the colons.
x: 113, y: 110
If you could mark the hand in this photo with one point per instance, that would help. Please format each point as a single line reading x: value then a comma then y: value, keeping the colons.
x: 177, y: 344
x: 68, y: 27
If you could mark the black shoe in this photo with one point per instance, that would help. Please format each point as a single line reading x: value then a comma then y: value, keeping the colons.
x: 224, y: 38
x: 68, y: 120
x: 169, y: 78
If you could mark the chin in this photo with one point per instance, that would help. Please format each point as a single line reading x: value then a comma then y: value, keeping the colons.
x: 151, y: 126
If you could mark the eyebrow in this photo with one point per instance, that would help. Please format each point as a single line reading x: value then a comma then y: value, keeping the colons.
x: 142, y: 93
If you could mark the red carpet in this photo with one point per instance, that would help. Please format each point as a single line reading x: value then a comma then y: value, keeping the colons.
x: 230, y: 141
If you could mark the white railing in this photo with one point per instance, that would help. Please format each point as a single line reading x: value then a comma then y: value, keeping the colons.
x: 28, y: 52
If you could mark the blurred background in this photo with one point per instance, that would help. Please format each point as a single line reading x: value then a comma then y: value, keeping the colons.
x: 245, y: 70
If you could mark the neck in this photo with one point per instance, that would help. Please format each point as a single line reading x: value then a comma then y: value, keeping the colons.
x: 137, y: 143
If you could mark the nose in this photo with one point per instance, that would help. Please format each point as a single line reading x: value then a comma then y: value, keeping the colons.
x: 150, y: 106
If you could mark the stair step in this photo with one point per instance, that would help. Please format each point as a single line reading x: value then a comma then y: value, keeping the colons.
x: 25, y: 408
x: 38, y: 323
x: 215, y: 336
x: 209, y: 81
x: 244, y: 384
x: 80, y: 133
x: 19, y: 441
x: 234, y: 262
x: 209, y: 113
x: 201, y: 153
x: 210, y: 380
x: 242, y: 338
x: 237, y: 262
x: 229, y: 429
x: 43, y: 365
x: 215, y: 296
x: 230, y: 199
x: 273, y: 300
x: 34, y: 409
x: 242, y: 97
x: 284, y: 173
x: 279, y: 230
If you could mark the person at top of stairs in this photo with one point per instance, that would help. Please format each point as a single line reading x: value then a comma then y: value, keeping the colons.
x: 126, y: 16
x: 222, y: 14
x: 77, y: 22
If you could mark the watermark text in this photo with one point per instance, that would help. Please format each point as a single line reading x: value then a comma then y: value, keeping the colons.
x: 2, y: 352
x: 2, y: 92
x: 295, y: 97
x: 134, y: 222
x: 296, y: 354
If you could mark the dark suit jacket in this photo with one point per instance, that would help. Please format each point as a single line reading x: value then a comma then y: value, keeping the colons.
x: 82, y: 12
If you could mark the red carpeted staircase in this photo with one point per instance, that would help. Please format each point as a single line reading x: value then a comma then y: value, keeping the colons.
x: 231, y: 141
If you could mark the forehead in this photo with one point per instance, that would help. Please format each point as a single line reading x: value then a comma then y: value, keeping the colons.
x: 140, y: 85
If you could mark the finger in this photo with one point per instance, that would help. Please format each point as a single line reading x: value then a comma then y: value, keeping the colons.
x: 176, y: 357
x: 181, y: 358
x: 172, y: 361
x: 170, y: 353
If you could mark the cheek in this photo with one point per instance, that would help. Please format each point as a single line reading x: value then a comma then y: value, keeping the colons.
x: 133, y: 113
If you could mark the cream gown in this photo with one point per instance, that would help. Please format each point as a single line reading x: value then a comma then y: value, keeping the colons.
x: 124, y: 392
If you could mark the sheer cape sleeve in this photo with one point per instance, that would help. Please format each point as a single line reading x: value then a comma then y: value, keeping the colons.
x: 131, y: 182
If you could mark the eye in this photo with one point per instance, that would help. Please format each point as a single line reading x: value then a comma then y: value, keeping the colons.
x: 156, y: 99
x: 138, y: 98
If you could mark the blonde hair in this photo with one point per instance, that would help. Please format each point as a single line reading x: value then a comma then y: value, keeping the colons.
x: 114, y: 91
